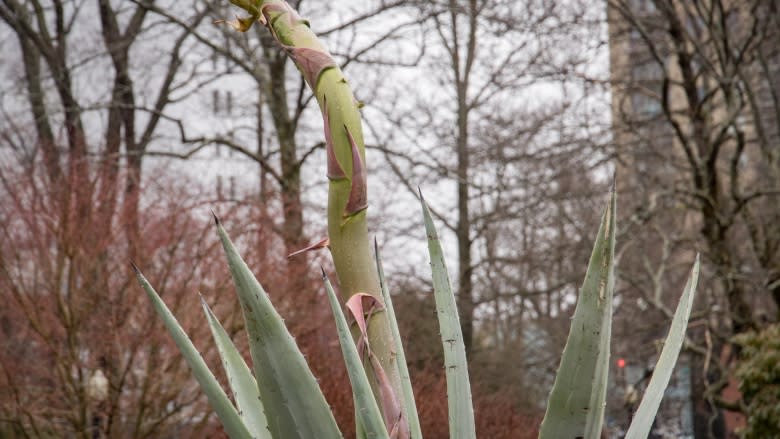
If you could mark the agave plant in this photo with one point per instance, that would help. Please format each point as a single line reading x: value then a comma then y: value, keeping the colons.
x: 279, y: 398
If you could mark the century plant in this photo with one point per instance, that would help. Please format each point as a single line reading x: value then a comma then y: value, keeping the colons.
x: 279, y: 397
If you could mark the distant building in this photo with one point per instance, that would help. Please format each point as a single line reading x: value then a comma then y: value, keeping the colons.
x: 653, y: 94
x: 638, y: 75
x: 226, y: 108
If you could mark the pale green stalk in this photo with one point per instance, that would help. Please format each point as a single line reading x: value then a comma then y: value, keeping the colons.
x: 347, y: 200
x: 366, y: 410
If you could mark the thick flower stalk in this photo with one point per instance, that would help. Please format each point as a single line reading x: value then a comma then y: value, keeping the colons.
x: 282, y: 400
x: 347, y: 196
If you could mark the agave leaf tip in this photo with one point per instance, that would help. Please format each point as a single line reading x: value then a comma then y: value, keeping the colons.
x: 216, y: 218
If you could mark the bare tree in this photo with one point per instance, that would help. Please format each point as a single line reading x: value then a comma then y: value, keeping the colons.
x: 522, y: 169
x: 72, y: 161
x: 696, y: 128
x: 280, y: 106
x: 82, y: 350
x: 51, y: 61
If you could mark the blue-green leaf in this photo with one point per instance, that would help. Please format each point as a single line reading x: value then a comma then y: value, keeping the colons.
x: 409, y: 405
x: 577, y: 400
x: 293, y: 402
x: 366, y: 409
x: 219, y: 401
x: 645, y: 414
x: 461, y: 411
x: 240, y: 378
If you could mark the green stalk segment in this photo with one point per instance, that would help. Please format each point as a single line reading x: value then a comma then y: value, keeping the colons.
x: 347, y: 194
x: 361, y: 307
x: 366, y: 409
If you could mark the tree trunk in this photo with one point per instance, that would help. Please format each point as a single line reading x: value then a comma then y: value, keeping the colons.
x: 463, y: 228
x: 290, y: 184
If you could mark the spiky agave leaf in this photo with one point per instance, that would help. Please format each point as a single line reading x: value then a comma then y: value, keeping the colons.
x: 242, y: 383
x: 361, y: 308
x: 576, y: 404
x: 234, y: 425
x: 366, y: 410
x: 409, y: 406
x: 293, y: 402
x: 461, y: 411
x: 645, y: 414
